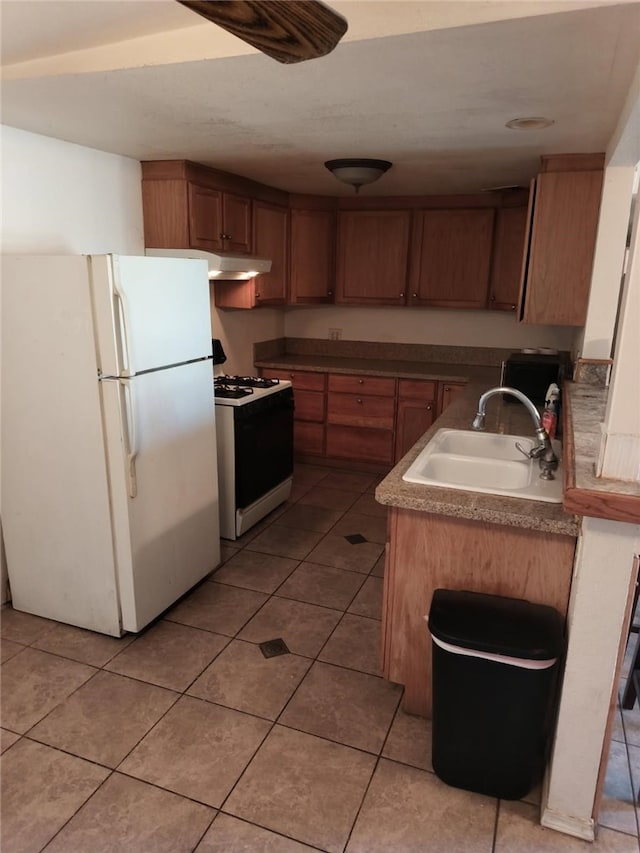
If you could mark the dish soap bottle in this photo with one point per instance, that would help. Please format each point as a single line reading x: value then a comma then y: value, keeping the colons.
x: 550, y: 413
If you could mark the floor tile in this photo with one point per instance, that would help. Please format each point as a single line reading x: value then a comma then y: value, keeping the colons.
x: 227, y: 551
x: 298, y: 490
x: 631, y: 723
x: 410, y: 810
x: 304, y: 787
x: 128, y: 815
x: 41, y: 789
x: 33, y: 683
x: 378, y: 570
x: 198, y: 750
x: 337, y: 551
x: 329, y: 498
x: 303, y: 627
x: 343, y: 705
x: 368, y: 602
x: 634, y: 763
x: 617, y: 807
x: 252, y: 570
x: 217, y: 607
x: 617, y: 731
x: 105, y: 718
x: 309, y: 475
x: 9, y: 649
x: 409, y: 741
x: 169, y: 654
x: 355, y: 644
x: 242, y: 678
x: 351, y: 481
x: 22, y: 627
x: 369, y: 526
x: 368, y: 505
x: 285, y: 542
x: 519, y: 831
x: 229, y: 835
x: 322, y: 585
x: 7, y: 738
x: 81, y: 645
x: 309, y: 517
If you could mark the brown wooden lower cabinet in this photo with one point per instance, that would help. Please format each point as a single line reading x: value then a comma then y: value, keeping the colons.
x: 416, y: 412
x: 308, y: 438
x: 426, y: 552
x: 449, y: 391
x: 360, y: 444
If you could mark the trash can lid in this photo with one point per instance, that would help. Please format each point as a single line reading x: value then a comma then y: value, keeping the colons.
x: 497, y: 625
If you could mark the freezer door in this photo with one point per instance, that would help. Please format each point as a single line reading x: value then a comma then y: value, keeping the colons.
x: 164, y: 485
x: 149, y: 312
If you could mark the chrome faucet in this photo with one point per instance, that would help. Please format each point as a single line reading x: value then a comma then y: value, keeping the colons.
x: 543, y: 450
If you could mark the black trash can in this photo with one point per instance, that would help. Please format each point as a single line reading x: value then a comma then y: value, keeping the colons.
x: 495, y: 667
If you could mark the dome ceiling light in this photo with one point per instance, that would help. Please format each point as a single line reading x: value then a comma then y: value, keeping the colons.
x: 357, y: 171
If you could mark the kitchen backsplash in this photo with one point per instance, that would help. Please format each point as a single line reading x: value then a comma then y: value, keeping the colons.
x: 486, y: 356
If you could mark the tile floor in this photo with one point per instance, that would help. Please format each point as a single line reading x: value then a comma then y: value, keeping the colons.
x: 187, y: 737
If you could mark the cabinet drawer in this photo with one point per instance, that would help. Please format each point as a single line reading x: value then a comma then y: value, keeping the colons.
x: 300, y: 379
x: 308, y: 438
x: 362, y: 385
x: 369, y: 445
x: 309, y: 406
x: 364, y: 411
x: 412, y: 389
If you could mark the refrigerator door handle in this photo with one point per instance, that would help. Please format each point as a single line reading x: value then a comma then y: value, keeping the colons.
x: 129, y: 431
x: 124, y: 332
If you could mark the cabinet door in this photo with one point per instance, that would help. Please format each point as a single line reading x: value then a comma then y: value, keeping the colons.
x: 416, y: 412
x: 563, y: 235
x: 450, y: 258
x: 373, y: 250
x: 448, y: 392
x: 312, y: 271
x: 270, y: 232
x: 360, y: 444
x: 236, y: 217
x: 508, y: 256
x: 205, y: 218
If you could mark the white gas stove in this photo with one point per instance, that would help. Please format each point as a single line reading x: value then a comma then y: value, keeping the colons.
x: 254, y: 419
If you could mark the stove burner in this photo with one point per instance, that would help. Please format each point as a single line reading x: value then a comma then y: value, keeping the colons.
x: 250, y: 381
x: 221, y: 389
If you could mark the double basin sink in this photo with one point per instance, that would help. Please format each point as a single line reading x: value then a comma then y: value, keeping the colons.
x: 484, y: 462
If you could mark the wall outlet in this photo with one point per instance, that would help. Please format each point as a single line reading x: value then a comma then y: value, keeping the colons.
x: 335, y: 334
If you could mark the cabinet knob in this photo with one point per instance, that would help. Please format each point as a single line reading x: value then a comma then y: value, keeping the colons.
x: 513, y: 308
x: 291, y: 375
x: 446, y: 388
x: 330, y: 293
x: 402, y: 296
x: 492, y: 299
x: 428, y: 407
x: 257, y: 296
x: 360, y: 381
x: 414, y: 295
x: 358, y: 400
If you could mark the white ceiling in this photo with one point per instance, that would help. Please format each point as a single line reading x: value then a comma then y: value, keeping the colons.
x: 432, y: 94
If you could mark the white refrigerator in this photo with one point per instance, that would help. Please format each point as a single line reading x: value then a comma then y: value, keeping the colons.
x: 108, y: 446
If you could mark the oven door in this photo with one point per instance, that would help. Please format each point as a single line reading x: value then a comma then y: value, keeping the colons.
x: 263, y: 433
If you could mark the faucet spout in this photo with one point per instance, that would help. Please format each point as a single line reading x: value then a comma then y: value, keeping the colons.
x: 543, y: 451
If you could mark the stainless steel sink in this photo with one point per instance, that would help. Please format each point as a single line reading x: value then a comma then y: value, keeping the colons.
x: 484, y: 462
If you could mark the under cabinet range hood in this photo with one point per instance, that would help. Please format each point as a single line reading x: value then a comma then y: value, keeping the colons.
x: 222, y: 267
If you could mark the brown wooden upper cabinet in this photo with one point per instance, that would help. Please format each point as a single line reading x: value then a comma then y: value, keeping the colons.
x: 564, y: 207
x: 451, y: 258
x: 271, y: 240
x: 312, y: 256
x: 508, y: 252
x: 372, y: 256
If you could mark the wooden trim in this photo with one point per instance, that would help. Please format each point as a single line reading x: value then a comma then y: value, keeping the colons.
x: 572, y: 162
x: 612, y: 506
x: 613, y: 702
x: 522, y: 294
x: 418, y: 202
x: 298, y: 201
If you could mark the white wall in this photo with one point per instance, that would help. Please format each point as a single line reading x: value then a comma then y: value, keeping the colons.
x: 425, y: 326
x: 239, y: 330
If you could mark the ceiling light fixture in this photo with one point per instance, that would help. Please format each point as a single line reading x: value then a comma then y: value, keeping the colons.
x: 357, y: 171
x: 529, y: 123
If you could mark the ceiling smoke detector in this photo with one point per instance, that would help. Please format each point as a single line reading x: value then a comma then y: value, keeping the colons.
x: 530, y: 123
x: 357, y: 171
